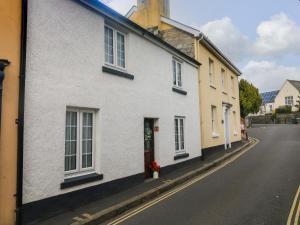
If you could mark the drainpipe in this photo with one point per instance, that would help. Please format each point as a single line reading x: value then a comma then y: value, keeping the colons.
x: 20, y: 120
x: 3, y: 63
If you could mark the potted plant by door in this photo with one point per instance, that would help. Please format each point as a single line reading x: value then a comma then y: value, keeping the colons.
x: 155, y: 169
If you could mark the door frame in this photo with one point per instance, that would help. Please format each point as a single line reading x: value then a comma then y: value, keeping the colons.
x: 226, y: 124
x: 146, y: 173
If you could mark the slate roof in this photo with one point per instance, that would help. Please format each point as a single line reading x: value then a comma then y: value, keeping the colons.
x: 295, y: 83
x: 269, y: 97
x: 104, y: 10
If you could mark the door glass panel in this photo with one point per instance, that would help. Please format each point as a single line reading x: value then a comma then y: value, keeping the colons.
x: 148, y: 135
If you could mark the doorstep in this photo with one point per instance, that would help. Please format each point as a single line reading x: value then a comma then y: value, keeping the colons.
x: 109, y: 207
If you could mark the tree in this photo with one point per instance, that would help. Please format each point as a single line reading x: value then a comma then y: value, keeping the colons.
x: 250, y: 99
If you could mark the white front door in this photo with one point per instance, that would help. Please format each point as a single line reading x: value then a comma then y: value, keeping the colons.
x: 226, y: 127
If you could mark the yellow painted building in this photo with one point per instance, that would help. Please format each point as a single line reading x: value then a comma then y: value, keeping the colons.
x: 218, y: 76
x: 10, y: 41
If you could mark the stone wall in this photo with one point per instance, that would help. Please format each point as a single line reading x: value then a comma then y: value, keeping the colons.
x: 180, y: 40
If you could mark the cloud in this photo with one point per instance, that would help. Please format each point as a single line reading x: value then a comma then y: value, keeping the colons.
x: 122, y: 6
x: 228, y: 38
x: 278, y: 35
x: 268, y: 76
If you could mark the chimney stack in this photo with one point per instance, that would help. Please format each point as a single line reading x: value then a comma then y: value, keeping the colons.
x: 160, y: 6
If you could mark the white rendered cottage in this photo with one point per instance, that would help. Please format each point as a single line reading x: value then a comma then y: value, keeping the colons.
x: 104, y: 98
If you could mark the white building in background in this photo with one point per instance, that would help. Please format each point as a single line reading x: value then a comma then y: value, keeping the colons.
x: 104, y: 98
x: 268, y: 102
x: 288, y: 94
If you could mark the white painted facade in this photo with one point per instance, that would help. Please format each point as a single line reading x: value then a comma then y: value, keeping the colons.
x: 287, y: 90
x: 65, y: 55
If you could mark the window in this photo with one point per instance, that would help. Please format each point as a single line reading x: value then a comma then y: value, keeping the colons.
x: 223, y: 79
x: 211, y: 72
x: 177, y: 81
x: 214, y: 119
x: 114, y: 47
x: 234, y: 122
x: 179, y: 134
x: 289, y: 101
x: 79, y: 141
x: 232, y: 85
x: 120, y: 50
x: 271, y: 108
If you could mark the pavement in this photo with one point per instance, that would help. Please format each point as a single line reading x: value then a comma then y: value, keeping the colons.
x: 259, y: 188
x: 167, y: 181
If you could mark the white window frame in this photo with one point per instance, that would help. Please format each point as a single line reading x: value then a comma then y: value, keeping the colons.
x: 232, y: 85
x: 235, y: 122
x: 79, y: 168
x: 211, y: 72
x: 214, y: 121
x: 180, y: 150
x: 289, y: 100
x: 176, y: 74
x: 271, y: 108
x: 115, y: 52
x: 223, y: 79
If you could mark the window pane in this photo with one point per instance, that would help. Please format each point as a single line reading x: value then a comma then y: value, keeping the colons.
x: 73, y: 133
x: 89, y: 160
x: 213, y: 118
x: 109, y: 45
x: 181, y: 134
x: 73, y: 147
x: 68, y: 148
x: 70, y: 141
x: 176, y: 135
x: 121, y: 50
x: 84, y: 164
x: 87, y: 139
x: 179, y: 74
x: 174, y: 72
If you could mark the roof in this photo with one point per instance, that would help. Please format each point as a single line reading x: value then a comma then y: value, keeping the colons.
x: 269, y: 97
x: 181, y: 26
x: 295, y: 83
x: 205, y: 40
x: 131, y: 11
x: 197, y: 33
x: 106, y: 11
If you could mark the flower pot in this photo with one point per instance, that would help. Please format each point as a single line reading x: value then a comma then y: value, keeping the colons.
x: 155, y: 175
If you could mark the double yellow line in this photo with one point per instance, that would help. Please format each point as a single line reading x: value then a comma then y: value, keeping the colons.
x: 295, y: 210
x: 180, y: 188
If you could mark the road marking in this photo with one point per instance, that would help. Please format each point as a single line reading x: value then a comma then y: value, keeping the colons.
x: 297, y: 215
x: 293, y: 208
x: 180, y: 188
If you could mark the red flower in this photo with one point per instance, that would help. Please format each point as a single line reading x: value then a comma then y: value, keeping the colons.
x: 154, y: 166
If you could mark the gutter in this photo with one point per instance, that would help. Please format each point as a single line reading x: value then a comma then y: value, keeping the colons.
x: 20, y: 120
x: 107, y: 12
x: 202, y: 38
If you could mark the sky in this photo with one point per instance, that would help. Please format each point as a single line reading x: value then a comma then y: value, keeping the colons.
x: 261, y: 37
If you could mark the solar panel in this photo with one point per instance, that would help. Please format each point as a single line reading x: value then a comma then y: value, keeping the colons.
x: 269, y: 97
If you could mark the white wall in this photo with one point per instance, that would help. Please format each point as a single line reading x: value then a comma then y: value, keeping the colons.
x: 65, y: 57
x: 287, y: 90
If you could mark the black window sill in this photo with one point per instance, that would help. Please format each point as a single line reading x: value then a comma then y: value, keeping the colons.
x: 75, y: 181
x: 181, y: 156
x: 115, y: 72
x: 179, y: 91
